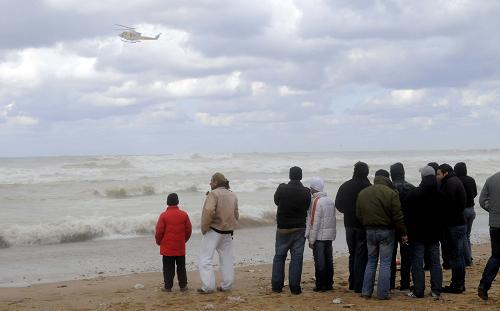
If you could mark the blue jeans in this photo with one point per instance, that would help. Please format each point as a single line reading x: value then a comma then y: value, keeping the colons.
x: 455, y: 237
x: 323, y: 264
x: 418, y: 249
x: 469, y: 215
x: 358, y: 256
x: 293, y: 242
x: 380, y: 241
x: 491, y: 269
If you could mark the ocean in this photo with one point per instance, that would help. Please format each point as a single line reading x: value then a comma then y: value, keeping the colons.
x: 63, y: 204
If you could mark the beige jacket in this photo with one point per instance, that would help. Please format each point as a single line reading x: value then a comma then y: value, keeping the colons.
x: 220, y: 211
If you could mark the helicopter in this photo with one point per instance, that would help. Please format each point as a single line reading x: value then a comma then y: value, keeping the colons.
x: 131, y: 36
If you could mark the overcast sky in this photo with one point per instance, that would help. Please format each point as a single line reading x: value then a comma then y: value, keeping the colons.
x: 244, y: 76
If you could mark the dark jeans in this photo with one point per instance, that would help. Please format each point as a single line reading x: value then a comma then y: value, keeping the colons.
x: 445, y: 250
x: 323, y: 264
x: 404, y: 251
x: 418, y: 251
x: 469, y: 215
x: 491, y: 269
x: 169, y: 263
x: 358, y: 256
x: 293, y: 242
x: 455, y: 237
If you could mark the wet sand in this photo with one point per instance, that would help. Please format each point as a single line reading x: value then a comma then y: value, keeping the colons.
x: 251, y: 291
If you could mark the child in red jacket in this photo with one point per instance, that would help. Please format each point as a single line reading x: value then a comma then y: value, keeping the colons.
x: 173, y: 230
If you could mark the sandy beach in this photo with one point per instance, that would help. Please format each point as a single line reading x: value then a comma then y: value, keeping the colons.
x: 142, y: 291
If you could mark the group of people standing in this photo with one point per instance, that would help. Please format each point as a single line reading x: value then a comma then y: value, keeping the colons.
x: 419, y: 219
x: 436, y: 214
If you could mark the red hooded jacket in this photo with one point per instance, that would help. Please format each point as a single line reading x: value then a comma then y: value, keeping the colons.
x: 173, y: 230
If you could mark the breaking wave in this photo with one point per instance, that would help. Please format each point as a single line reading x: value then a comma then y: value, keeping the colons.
x: 72, y: 229
x: 121, y: 193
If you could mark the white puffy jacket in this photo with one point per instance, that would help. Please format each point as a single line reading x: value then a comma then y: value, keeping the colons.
x: 322, y: 225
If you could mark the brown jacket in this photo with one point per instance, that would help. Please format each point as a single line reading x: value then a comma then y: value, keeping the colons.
x: 220, y: 211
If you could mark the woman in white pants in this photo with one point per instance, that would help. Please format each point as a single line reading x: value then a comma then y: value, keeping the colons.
x: 218, y: 221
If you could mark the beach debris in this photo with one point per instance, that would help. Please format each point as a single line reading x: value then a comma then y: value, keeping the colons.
x: 337, y: 301
x: 208, y: 306
x: 61, y: 286
x: 251, y: 270
x: 235, y: 299
x: 348, y: 305
x: 138, y: 286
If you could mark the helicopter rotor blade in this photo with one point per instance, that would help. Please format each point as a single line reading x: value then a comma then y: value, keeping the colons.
x: 124, y: 26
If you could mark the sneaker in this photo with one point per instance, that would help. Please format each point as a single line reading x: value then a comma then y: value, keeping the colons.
x: 483, y: 294
x: 220, y: 289
x: 167, y: 290
x: 436, y: 296
x: 201, y: 291
x: 184, y: 289
x: 296, y: 292
x: 366, y: 296
x: 412, y: 295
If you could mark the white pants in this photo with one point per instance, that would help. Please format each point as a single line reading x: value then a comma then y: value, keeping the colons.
x: 223, y: 243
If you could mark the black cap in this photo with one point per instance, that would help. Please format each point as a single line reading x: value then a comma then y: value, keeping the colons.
x: 445, y: 168
x: 295, y: 173
x: 172, y: 199
x: 382, y: 172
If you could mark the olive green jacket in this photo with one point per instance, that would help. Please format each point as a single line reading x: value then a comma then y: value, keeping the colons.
x: 379, y: 206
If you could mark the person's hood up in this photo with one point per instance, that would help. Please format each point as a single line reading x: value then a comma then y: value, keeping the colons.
x: 397, y: 171
x: 382, y: 180
x: 317, y: 184
x: 360, y: 170
x: 460, y: 169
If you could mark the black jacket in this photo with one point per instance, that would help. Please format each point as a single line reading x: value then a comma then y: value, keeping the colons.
x: 455, y: 198
x: 293, y: 200
x: 468, y: 182
x: 345, y: 201
x: 398, y: 180
x: 424, y: 207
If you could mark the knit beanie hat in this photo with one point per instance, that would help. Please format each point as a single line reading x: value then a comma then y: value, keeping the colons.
x: 317, y: 184
x: 295, y: 173
x: 427, y: 171
x: 382, y: 172
x: 434, y: 165
x: 172, y: 199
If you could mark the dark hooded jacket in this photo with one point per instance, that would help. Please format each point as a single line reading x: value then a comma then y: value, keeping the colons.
x: 424, y: 211
x: 379, y: 206
x: 398, y: 180
x: 293, y: 200
x: 455, y: 199
x: 468, y: 182
x: 345, y: 201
